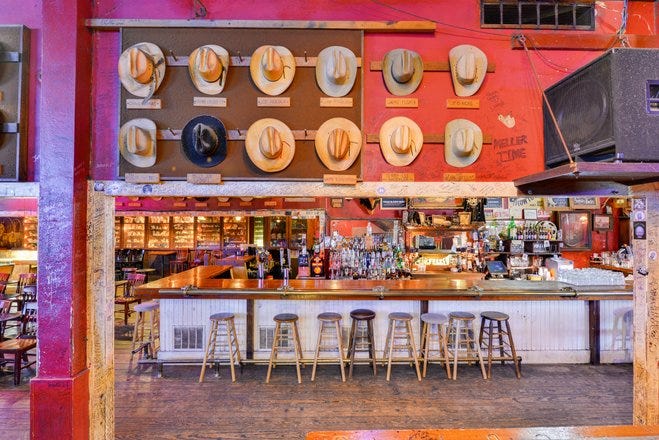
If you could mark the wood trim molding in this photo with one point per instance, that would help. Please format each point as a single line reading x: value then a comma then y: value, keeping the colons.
x: 372, y: 26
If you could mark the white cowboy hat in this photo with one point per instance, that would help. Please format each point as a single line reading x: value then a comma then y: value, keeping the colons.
x: 336, y: 70
x: 338, y: 143
x: 141, y: 69
x: 208, y: 66
x: 272, y: 69
x: 401, y: 140
x: 402, y: 70
x: 137, y: 142
x: 468, y: 68
x: 270, y: 144
x: 463, y: 142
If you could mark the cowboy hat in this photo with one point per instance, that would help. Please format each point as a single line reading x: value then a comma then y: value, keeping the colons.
x: 463, y: 142
x: 402, y: 70
x: 468, y: 67
x: 336, y: 70
x: 401, y: 140
x: 137, y: 142
x: 208, y: 66
x: 272, y: 69
x: 270, y: 144
x: 142, y: 69
x: 204, y: 141
x: 338, y: 143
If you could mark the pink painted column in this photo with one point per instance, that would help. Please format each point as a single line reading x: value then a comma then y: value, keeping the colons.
x: 59, y: 395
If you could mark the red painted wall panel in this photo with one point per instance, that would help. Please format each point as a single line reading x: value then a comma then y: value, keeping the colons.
x: 511, y: 90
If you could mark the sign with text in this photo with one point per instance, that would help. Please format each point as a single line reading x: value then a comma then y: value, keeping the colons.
x: 204, y: 179
x: 273, y: 101
x: 339, y: 179
x: 393, y: 203
x: 462, y: 103
x: 209, y: 101
x: 397, y: 177
x: 335, y: 102
x: 151, y: 104
x: 401, y: 103
x: 142, y: 178
x: 517, y: 205
x: 459, y: 177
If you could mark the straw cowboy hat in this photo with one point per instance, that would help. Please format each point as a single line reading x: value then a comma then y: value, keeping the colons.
x: 137, y: 142
x: 204, y: 141
x: 336, y: 70
x: 463, y: 142
x: 468, y: 68
x: 142, y: 69
x: 270, y: 144
x: 401, y: 140
x: 272, y: 69
x: 338, y: 143
x: 208, y: 66
x: 402, y: 70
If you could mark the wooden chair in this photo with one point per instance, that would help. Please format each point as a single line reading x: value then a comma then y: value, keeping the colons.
x: 134, y: 280
x: 180, y: 263
x: 4, y: 278
x: 25, y: 279
x: 5, y: 316
x: 19, y: 347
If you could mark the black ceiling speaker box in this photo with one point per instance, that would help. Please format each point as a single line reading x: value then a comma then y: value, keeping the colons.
x: 608, y: 109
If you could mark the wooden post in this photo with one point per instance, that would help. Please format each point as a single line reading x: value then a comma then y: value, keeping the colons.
x: 645, y: 205
x: 100, y: 311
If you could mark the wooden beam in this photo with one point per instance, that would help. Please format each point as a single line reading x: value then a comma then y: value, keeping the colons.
x: 581, y: 41
x: 368, y: 26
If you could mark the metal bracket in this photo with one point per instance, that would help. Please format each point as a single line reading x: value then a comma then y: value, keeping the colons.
x: 187, y: 289
x: 380, y: 290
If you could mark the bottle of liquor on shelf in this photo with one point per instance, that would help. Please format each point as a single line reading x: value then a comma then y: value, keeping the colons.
x: 317, y: 264
x: 303, y: 269
x: 512, y: 228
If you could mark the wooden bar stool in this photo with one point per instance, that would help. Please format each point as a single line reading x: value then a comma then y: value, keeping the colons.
x: 463, y: 337
x: 400, y: 329
x: 144, y: 340
x: 434, y: 329
x: 327, y: 322
x: 216, y: 340
x: 362, y: 337
x: 285, y: 320
x: 623, y: 328
x: 18, y: 348
x: 505, y: 338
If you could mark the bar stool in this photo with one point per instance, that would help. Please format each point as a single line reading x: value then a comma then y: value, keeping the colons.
x: 362, y: 337
x: 434, y: 329
x: 285, y: 320
x: 327, y: 321
x: 463, y: 337
x: 143, y: 340
x: 487, y: 327
x: 400, y: 329
x: 217, y: 340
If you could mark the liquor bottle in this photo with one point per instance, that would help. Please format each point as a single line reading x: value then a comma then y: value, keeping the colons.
x: 512, y: 228
x: 303, y: 269
x: 317, y: 265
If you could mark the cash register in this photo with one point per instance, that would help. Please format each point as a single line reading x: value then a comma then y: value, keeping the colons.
x: 496, y: 269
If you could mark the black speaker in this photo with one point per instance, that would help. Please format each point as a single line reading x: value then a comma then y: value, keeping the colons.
x: 608, y: 109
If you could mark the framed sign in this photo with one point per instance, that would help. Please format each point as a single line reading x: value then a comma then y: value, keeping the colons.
x: 602, y: 222
x: 433, y: 202
x: 557, y: 203
x: 585, y: 203
x: 575, y: 226
x: 530, y: 214
x: 393, y: 203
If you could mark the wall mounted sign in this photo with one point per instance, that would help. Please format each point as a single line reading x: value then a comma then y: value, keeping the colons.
x: 393, y: 203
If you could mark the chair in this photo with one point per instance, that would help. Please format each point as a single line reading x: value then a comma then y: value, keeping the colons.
x: 134, y: 280
x: 461, y: 335
x: 400, y: 337
x: 145, y: 336
x: 329, y: 327
x: 505, y: 339
x: 25, y: 279
x: 286, y: 335
x: 180, y: 263
x: 4, y: 278
x: 362, y: 337
x: 5, y: 315
x: 25, y: 342
x: 218, y: 339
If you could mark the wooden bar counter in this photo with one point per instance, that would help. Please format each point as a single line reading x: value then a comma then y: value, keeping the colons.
x: 552, y: 321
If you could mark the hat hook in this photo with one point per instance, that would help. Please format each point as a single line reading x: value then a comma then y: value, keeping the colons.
x: 305, y: 56
x: 240, y: 57
x: 171, y: 131
x: 199, y: 9
x: 171, y: 52
x: 305, y: 133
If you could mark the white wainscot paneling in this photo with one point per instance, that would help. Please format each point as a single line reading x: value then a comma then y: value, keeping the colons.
x: 616, y: 321
x: 196, y: 312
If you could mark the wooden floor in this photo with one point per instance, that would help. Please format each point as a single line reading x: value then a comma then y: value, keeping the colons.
x: 177, y: 407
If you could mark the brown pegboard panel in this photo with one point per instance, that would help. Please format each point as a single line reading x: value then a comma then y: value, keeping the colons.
x: 177, y: 92
x: 14, y: 66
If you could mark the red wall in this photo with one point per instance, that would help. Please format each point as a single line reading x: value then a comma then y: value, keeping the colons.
x: 510, y: 90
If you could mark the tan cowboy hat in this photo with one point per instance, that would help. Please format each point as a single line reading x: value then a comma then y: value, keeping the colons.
x: 272, y: 69
x: 137, y: 142
x: 338, y: 143
x: 270, y: 144
x: 401, y: 140
x: 463, y: 142
x: 402, y: 70
x: 208, y: 66
x: 142, y: 69
x: 336, y: 70
x: 468, y: 68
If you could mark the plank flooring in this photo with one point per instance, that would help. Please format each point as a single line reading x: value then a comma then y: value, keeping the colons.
x: 177, y: 407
